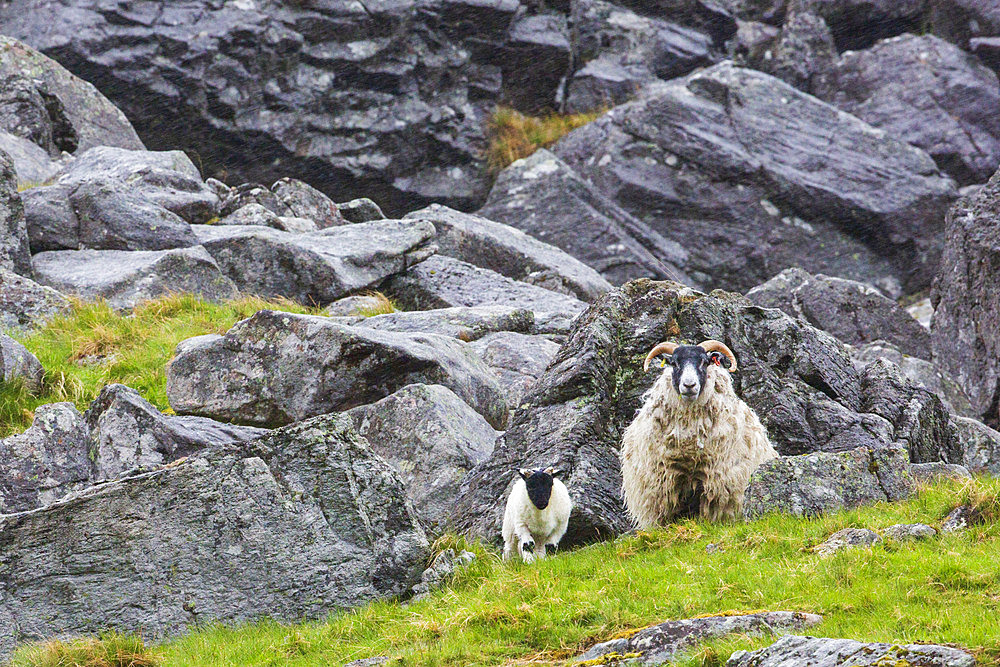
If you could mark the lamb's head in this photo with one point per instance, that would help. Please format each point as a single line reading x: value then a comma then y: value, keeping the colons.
x: 538, y: 484
x: 690, y: 363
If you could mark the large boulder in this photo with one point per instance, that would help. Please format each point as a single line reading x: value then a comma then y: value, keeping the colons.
x: 32, y: 163
x: 854, y: 312
x: 822, y: 652
x: 510, y: 252
x: 517, y: 359
x: 14, y: 249
x: 275, y: 368
x: 802, y: 52
x: 51, y: 220
x: 980, y: 445
x: 927, y: 92
x: 318, y: 267
x: 302, y: 522
x: 126, y: 278
x: 24, y: 303
x: 17, y: 363
x: 966, y: 327
x: 467, y: 324
x: 111, y: 217
x: 762, y: 177
x: 799, y: 380
x: 543, y: 197
x: 432, y: 438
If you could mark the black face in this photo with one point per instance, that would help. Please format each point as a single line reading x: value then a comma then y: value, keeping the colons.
x: 690, y: 365
x: 539, y: 486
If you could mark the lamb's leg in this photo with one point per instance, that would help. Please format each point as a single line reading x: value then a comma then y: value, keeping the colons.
x: 552, y: 542
x: 508, y: 546
x: 526, y: 544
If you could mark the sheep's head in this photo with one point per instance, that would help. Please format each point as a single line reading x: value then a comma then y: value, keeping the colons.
x: 690, y: 364
x: 539, y: 485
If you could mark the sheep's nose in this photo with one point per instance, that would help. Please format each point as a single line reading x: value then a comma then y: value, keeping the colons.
x: 688, y: 386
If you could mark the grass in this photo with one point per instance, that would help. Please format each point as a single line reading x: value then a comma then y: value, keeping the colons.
x: 383, y: 305
x: 94, y: 345
x: 513, y: 135
x: 109, y: 650
x: 942, y: 590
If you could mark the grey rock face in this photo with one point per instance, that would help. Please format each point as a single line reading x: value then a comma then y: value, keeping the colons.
x: 301, y: 522
x: 50, y: 218
x: 799, y: 380
x: 821, y: 652
x: 112, y: 217
x: 804, y: 50
x: 275, y: 368
x: 432, y: 439
x: 466, y: 324
x: 517, y: 359
x: 980, y: 445
x: 902, y: 532
x: 126, y: 278
x: 927, y: 92
x: 766, y: 177
x: 443, y: 282
x: 543, y: 197
x: 320, y: 267
x: 14, y: 249
x: 959, y: 21
x: 812, y: 484
x: 45, y: 462
x: 16, y: 362
x: 305, y: 201
x: 510, y: 252
x: 536, y: 57
x: 32, y: 163
x: 853, y: 312
x: 660, y: 644
x: 361, y: 209
x: 24, y: 303
x: 848, y: 538
x: 929, y: 472
x: 71, y: 115
x: 966, y: 299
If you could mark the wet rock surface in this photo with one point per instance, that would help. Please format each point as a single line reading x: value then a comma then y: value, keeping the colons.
x: 822, y: 652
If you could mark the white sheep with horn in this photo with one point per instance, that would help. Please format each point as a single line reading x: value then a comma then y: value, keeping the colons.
x: 694, y: 443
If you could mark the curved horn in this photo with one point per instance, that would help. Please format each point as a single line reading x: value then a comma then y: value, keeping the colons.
x: 715, y: 346
x: 662, y: 348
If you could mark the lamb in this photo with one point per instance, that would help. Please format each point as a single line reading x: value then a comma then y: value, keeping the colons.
x: 537, y: 511
x: 693, y: 445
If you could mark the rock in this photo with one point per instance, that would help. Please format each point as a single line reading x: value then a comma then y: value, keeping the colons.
x: 753, y: 42
x: 805, y: 49
x: 821, y: 652
x: 848, y: 538
x: 927, y: 92
x: 902, y: 532
x: 432, y: 439
x: 320, y: 267
x: 305, y: 201
x: 443, y: 282
x: 959, y: 21
x: 275, y: 368
x: 536, y: 58
x: 74, y: 116
x: 922, y: 311
x: 128, y: 434
x: 360, y: 210
x: 166, y: 178
x: 543, y: 197
x: 354, y: 306
x: 510, y: 252
x: 987, y: 49
x: 853, y: 312
x: 45, y: 462
x: 799, y: 380
x: 302, y: 522
x: 957, y: 520
x: 966, y: 298
x: 252, y: 214
x: 663, y: 643
x: 14, y: 253
x: 251, y: 193
x: 50, y: 219
x: 24, y: 303
x: 858, y: 24
x: 814, y: 484
x: 517, y: 359
x: 980, y: 444
x: 112, y: 217
x: 441, y: 570
x: 765, y: 177
x: 602, y: 83
x: 931, y: 472
x: 369, y: 662
x: 465, y: 324
x: 16, y: 362
x: 32, y: 163
x: 919, y: 371
x: 126, y: 278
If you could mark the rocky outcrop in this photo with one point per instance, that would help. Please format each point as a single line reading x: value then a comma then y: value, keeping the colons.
x: 821, y: 652
x: 980, y: 445
x: 24, y: 303
x: 275, y: 368
x: 126, y: 278
x: 922, y: 372
x: 14, y: 248
x: 966, y: 298
x: 432, y: 439
x: 17, y: 363
x: 766, y: 177
x: 927, y: 92
x: 318, y: 267
x: 299, y: 523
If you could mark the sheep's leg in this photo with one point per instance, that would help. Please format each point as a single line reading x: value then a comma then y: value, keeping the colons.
x: 508, y: 546
x: 526, y: 543
x: 552, y: 543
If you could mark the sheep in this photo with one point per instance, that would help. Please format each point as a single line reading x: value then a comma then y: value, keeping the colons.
x: 693, y: 444
x: 537, y: 511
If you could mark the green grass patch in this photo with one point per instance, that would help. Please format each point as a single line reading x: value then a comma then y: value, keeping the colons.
x: 513, y: 135
x: 94, y: 345
x: 942, y: 590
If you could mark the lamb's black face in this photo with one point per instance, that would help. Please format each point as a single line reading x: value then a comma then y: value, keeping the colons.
x: 539, y: 486
x: 690, y: 366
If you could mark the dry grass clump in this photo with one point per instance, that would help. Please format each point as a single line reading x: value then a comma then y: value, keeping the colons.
x: 513, y: 135
x: 111, y: 649
x: 382, y: 305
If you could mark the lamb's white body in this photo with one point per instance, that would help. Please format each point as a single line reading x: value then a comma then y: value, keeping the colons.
x: 523, y: 523
x: 673, y: 446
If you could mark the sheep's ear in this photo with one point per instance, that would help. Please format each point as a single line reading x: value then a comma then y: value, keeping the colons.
x: 668, y: 360
x: 720, y: 359
x: 555, y: 472
x: 524, y: 473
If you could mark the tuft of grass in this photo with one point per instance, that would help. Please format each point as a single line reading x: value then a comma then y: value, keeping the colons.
x: 983, y: 500
x: 513, y: 135
x: 94, y: 345
x: 28, y: 185
x: 383, y: 305
x: 111, y: 649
